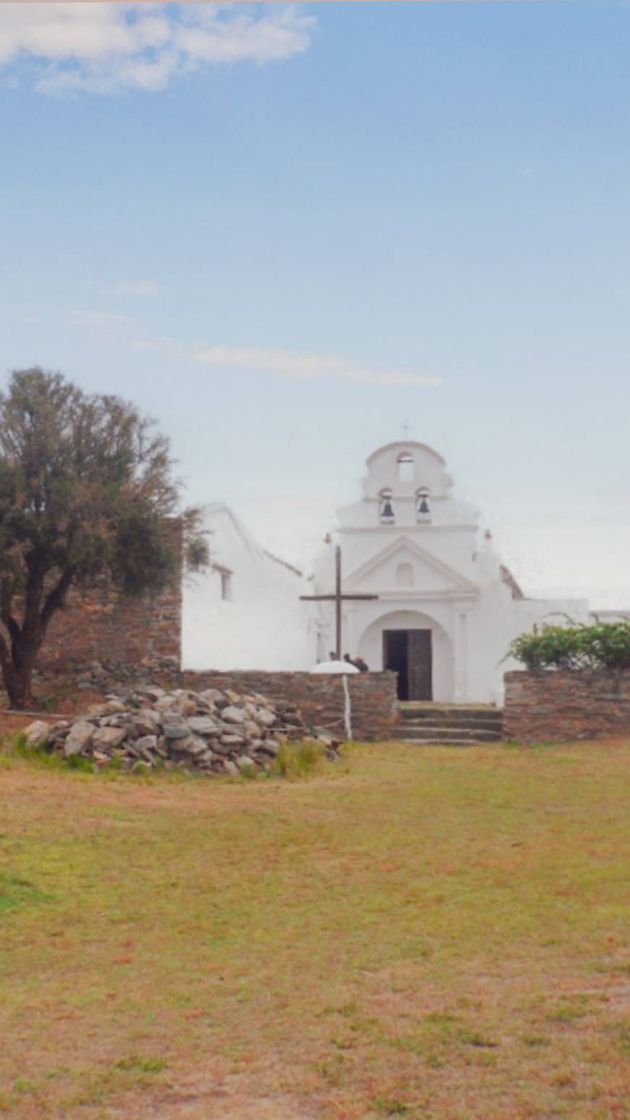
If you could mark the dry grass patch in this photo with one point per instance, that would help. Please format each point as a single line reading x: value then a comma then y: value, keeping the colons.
x: 426, y: 932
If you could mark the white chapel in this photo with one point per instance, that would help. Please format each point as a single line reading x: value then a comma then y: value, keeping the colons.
x: 442, y: 610
x: 446, y: 608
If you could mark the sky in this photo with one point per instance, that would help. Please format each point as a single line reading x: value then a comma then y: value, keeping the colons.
x: 286, y: 231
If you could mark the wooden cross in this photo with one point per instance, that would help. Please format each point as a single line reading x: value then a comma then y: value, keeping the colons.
x: 338, y: 598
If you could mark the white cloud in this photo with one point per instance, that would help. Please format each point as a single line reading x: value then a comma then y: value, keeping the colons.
x: 296, y: 365
x: 98, y: 319
x: 104, y: 48
x: 141, y: 289
x: 301, y: 366
x: 168, y: 347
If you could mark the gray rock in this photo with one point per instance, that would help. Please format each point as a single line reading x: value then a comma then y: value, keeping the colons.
x: 166, y: 703
x: 233, y: 715
x: 108, y: 738
x: 192, y: 746
x: 269, y: 748
x: 203, y: 725
x: 36, y: 734
x: 174, y: 731
x: 147, y: 747
x: 146, y: 722
x: 79, y: 739
x: 266, y: 717
x: 231, y: 768
x: 210, y: 696
x: 186, y: 706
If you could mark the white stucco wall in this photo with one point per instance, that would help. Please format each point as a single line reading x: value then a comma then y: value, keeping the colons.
x: 263, y: 624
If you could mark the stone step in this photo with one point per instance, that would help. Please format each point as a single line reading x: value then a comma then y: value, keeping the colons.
x: 453, y: 742
x: 450, y: 715
x: 455, y: 725
x: 447, y: 735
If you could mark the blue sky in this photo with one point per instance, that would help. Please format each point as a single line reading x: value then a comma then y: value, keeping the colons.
x: 285, y: 231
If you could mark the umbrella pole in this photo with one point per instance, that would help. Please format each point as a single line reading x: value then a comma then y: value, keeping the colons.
x: 347, y: 711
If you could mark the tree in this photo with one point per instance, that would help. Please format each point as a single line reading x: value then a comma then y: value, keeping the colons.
x: 86, y: 493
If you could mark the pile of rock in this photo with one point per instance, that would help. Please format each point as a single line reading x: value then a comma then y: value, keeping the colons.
x: 217, y: 731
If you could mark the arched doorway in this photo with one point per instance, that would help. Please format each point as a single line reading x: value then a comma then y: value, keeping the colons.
x: 415, y: 647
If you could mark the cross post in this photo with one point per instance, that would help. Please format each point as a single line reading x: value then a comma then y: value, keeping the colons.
x: 338, y: 598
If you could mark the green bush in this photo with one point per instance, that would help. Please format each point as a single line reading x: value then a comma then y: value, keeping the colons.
x: 604, y: 645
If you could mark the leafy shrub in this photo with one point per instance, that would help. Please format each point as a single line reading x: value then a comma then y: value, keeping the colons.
x: 604, y: 645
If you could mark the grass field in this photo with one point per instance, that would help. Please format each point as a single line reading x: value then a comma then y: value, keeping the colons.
x: 430, y: 932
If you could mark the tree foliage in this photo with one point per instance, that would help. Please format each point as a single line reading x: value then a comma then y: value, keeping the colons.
x: 86, y: 492
x: 604, y: 645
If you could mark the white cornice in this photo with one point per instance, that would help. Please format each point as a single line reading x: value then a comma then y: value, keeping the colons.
x: 405, y: 529
x: 418, y: 597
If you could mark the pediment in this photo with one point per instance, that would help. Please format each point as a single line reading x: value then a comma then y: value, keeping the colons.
x: 431, y: 574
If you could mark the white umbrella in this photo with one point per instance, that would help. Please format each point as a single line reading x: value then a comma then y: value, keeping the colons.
x: 335, y: 668
x: 341, y: 669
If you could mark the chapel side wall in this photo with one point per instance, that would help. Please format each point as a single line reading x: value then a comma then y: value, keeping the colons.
x: 262, y: 622
x: 494, y: 622
x: 566, y: 705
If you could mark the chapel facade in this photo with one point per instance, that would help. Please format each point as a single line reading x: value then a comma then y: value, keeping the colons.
x: 442, y: 608
x: 445, y: 608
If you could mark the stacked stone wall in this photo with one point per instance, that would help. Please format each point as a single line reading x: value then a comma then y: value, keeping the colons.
x: 566, y: 705
x: 102, y: 626
x: 320, y: 699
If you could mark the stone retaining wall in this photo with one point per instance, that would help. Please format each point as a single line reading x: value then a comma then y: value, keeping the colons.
x: 566, y: 705
x: 320, y: 699
x: 102, y: 626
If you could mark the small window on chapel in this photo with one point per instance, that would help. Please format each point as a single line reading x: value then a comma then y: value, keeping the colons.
x: 386, y: 508
x: 405, y: 467
x: 404, y: 575
x: 423, y: 509
x: 225, y: 576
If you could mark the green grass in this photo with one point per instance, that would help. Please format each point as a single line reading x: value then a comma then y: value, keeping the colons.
x: 428, y: 932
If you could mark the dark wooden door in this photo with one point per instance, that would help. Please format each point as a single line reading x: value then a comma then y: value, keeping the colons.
x: 419, y: 665
x: 409, y: 654
x: 395, y: 658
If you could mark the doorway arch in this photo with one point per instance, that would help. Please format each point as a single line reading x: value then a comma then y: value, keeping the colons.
x: 372, y: 641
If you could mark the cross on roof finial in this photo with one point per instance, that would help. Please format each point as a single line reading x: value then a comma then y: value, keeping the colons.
x: 405, y: 429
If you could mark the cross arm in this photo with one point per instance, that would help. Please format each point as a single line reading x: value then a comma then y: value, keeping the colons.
x: 335, y: 598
